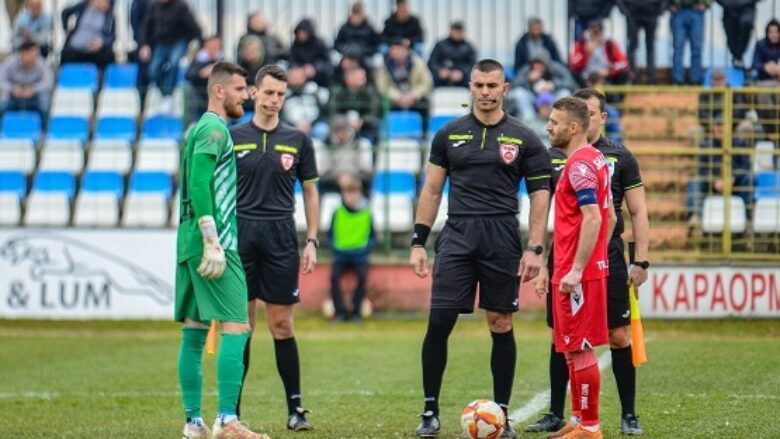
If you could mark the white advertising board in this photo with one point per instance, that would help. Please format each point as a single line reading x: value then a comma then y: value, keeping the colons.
x: 87, y: 274
x: 697, y: 292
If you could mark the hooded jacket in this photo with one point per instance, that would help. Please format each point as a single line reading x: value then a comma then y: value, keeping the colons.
x: 312, y: 51
x: 166, y: 23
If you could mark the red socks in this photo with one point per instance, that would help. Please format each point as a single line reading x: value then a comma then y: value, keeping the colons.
x: 585, y: 379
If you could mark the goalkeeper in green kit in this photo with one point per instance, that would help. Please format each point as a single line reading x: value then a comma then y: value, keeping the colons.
x: 210, y: 283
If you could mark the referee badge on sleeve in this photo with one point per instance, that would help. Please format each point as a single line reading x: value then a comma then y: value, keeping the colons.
x: 508, y: 152
x: 287, y: 160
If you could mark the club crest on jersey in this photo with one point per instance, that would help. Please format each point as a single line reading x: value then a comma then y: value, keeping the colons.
x: 287, y: 160
x: 508, y: 152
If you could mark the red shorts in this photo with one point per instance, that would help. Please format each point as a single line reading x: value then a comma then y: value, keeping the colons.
x: 580, y: 318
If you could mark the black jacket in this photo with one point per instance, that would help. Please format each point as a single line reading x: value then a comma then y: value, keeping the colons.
x: 358, y: 41
x: 166, y: 23
x: 109, y: 28
x: 313, y: 51
x: 590, y: 9
x: 450, y: 54
x: 410, y: 29
x: 737, y: 4
x: 642, y: 8
x: 521, y: 51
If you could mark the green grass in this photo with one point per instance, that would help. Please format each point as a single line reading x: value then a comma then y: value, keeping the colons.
x: 118, y: 379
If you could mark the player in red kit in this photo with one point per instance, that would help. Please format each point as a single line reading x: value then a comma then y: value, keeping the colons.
x: 584, y: 218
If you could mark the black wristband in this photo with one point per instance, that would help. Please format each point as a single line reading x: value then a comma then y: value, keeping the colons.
x: 420, y: 236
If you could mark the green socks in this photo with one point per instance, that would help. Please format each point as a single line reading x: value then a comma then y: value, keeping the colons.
x: 190, y: 372
x: 230, y: 371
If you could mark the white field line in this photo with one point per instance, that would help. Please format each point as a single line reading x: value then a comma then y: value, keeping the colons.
x: 542, y: 399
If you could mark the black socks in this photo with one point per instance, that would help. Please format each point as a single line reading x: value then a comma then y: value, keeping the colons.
x: 434, y: 354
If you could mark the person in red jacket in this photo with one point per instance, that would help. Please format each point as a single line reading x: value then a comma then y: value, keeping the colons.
x: 595, y: 53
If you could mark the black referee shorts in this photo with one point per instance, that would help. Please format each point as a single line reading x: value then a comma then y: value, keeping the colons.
x: 618, y: 307
x: 269, y: 253
x: 477, y: 250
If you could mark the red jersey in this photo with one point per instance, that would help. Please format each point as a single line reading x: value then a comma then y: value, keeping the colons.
x: 584, y: 180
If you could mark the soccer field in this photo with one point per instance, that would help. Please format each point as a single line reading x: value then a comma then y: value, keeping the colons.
x: 118, y: 379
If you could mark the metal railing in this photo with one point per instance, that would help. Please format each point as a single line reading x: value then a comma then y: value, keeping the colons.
x: 704, y: 153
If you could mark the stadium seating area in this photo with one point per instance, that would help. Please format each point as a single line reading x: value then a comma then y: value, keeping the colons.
x: 99, y: 162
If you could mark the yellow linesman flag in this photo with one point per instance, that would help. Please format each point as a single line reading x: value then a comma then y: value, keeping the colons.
x: 638, y: 352
x: 211, y: 338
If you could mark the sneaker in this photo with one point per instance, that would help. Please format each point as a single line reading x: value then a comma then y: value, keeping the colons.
x: 429, y: 425
x: 195, y: 430
x: 508, y: 432
x: 629, y: 425
x: 548, y: 422
x: 566, y: 429
x: 297, y: 420
x: 235, y: 430
x: 580, y: 433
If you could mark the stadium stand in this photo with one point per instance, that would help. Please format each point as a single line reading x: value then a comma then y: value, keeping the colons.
x: 13, y: 190
x: 404, y: 124
x: 116, y: 127
x: 73, y: 102
x: 97, y: 204
x: 714, y: 215
x: 110, y: 155
x: 146, y: 204
x: 17, y: 155
x: 393, y: 192
x: 66, y: 155
x: 157, y: 155
x: 78, y: 76
x: 49, y: 200
x: 163, y: 127
x: 69, y: 127
x: 119, y: 102
x: 21, y: 125
x: 400, y: 155
x: 121, y: 76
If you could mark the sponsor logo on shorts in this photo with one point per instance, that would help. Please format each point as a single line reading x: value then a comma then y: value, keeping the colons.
x: 297, y: 292
x: 242, y: 154
x: 626, y: 314
x: 577, y: 299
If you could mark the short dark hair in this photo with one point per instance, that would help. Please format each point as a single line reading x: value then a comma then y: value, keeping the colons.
x: 576, y: 108
x: 587, y: 93
x: 271, y: 70
x: 27, y: 45
x: 222, y: 71
x: 488, y: 65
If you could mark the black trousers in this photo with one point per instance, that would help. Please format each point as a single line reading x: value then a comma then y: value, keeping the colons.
x: 338, y: 270
x: 101, y: 58
x: 738, y: 24
x: 647, y: 23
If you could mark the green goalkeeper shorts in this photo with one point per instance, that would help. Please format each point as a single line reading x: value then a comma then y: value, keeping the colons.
x: 203, y: 300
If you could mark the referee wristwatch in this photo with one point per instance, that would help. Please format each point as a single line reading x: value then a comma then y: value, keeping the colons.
x: 644, y: 265
x: 314, y: 241
x: 538, y: 249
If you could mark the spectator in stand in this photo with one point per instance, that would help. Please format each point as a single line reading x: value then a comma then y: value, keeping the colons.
x: 251, y: 57
x: 351, y: 237
x: 257, y: 26
x: 33, y: 24
x: 167, y: 30
x: 137, y: 11
x: 348, y: 153
x: 25, y: 81
x: 91, y: 38
x: 766, y: 55
x: 452, y: 58
x: 404, y: 79
x: 535, y: 43
x: 198, y: 74
x: 595, y: 53
x: 541, y: 117
x: 687, y: 24
x: 402, y: 24
x: 586, y: 11
x: 310, y: 52
x: 642, y: 14
x: 739, y: 18
x: 538, y: 77
x: 304, y: 103
x: 358, y: 100
x: 766, y: 66
x: 347, y: 63
x: 710, y: 179
x: 357, y: 37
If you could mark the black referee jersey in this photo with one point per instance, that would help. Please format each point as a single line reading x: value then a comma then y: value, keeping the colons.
x: 624, y: 172
x: 485, y: 164
x: 268, y: 163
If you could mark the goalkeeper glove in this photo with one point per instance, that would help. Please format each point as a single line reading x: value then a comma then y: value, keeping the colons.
x: 213, y: 263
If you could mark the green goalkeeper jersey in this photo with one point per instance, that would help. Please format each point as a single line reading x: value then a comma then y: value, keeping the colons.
x: 209, y: 136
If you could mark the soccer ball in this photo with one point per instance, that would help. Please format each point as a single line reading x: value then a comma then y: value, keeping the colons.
x: 483, y: 419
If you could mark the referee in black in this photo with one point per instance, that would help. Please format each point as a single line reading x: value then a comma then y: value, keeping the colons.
x: 485, y: 154
x: 626, y: 183
x: 270, y: 157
